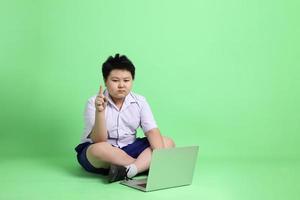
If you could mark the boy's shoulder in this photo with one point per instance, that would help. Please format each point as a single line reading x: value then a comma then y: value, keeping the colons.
x: 137, y: 97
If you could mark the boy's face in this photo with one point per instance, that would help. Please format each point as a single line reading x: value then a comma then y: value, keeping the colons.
x: 119, y: 83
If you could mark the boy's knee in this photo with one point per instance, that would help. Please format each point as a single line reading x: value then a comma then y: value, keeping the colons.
x: 97, y: 149
x: 96, y: 155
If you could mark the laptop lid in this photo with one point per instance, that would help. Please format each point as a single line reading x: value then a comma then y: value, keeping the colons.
x: 172, y: 167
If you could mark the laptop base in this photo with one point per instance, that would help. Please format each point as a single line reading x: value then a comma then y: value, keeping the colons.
x: 139, y: 184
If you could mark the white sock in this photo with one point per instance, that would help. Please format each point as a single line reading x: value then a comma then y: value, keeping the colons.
x: 132, y: 170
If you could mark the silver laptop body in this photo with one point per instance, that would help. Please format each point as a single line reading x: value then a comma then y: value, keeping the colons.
x: 169, y: 168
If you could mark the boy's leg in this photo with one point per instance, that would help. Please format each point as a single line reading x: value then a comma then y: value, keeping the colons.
x: 102, y: 154
x: 142, y: 162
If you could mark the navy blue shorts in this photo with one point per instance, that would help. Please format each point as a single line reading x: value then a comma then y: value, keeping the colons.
x: 133, y: 150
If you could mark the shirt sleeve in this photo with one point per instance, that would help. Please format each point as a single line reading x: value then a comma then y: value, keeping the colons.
x: 89, y: 118
x: 147, y: 119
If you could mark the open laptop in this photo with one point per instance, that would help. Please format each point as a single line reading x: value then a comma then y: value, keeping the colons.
x: 169, y: 168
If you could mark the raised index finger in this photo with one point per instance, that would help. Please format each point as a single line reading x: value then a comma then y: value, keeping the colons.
x: 100, y: 90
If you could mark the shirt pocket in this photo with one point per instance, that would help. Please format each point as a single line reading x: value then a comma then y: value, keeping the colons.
x: 130, y: 122
x: 133, y: 124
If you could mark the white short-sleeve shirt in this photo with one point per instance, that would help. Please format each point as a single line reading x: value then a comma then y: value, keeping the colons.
x: 121, y: 124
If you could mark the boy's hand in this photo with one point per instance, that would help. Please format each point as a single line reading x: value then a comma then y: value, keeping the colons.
x: 100, y: 101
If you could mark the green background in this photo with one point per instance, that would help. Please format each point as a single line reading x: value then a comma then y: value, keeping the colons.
x: 220, y: 74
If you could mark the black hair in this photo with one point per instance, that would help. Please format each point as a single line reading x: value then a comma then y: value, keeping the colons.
x: 117, y: 62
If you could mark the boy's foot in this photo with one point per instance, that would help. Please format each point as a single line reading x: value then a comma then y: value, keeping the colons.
x: 116, y: 173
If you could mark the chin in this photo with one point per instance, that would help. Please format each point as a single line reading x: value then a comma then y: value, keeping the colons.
x: 120, y: 96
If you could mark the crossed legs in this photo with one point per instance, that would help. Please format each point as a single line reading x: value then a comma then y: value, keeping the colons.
x: 102, y: 154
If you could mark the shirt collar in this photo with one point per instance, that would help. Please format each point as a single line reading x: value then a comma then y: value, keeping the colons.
x: 128, y: 100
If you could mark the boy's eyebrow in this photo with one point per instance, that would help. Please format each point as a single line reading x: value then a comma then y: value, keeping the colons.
x: 128, y: 77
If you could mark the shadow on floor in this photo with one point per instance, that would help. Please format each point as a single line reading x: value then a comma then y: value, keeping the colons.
x: 72, y: 168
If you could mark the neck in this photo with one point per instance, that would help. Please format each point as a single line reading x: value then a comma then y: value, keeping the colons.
x: 118, y: 102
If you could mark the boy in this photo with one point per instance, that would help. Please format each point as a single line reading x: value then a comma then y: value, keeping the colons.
x: 109, y: 145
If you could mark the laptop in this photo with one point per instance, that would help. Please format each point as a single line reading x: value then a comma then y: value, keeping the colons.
x: 169, y: 168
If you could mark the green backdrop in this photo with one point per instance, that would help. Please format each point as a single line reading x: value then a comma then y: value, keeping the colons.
x: 221, y: 74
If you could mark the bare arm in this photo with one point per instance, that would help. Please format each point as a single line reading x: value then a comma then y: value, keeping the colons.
x: 155, y: 139
x: 99, y: 132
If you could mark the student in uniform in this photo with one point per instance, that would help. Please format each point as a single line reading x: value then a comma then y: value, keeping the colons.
x: 109, y: 145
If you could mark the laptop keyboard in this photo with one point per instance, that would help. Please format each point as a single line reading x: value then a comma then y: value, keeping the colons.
x: 142, y: 185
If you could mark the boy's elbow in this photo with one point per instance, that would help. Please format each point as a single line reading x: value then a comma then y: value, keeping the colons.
x: 96, y: 138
